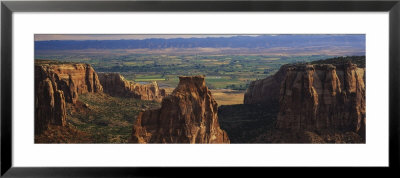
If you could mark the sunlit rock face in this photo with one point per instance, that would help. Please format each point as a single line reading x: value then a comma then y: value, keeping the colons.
x: 72, y: 79
x: 56, y: 84
x: 49, y: 106
x: 314, y: 96
x: 115, y: 84
x: 188, y: 115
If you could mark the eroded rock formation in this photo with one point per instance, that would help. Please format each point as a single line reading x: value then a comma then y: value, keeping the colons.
x: 115, y: 84
x: 72, y: 79
x: 265, y: 91
x: 49, y: 106
x: 188, y: 115
x: 315, y: 96
x: 56, y: 84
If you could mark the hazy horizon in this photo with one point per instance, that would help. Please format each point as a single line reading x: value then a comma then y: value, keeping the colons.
x: 83, y: 37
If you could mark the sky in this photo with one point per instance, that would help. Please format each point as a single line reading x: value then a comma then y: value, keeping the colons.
x: 48, y: 37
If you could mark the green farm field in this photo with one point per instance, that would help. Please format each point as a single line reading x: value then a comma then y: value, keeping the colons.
x: 223, y: 71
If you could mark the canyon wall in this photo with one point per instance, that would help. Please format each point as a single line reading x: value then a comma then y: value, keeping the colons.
x: 265, y: 91
x: 56, y: 84
x: 115, y: 84
x: 315, y: 96
x: 188, y: 115
x: 72, y: 79
x: 49, y: 106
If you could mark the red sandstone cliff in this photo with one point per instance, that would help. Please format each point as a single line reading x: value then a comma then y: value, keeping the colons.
x: 315, y: 97
x: 265, y: 91
x: 188, y: 115
x: 49, y: 106
x: 115, y: 84
x: 72, y: 79
x: 56, y: 84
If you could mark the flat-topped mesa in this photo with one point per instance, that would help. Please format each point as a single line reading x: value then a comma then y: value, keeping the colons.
x: 115, y: 84
x: 72, y: 79
x: 315, y: 96
x: 188, y: 115
x: 56, y: 84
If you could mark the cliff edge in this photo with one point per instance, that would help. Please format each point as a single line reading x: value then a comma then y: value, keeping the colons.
x: 315, y: 96
x: 115, y: 84
x: 57, y: 83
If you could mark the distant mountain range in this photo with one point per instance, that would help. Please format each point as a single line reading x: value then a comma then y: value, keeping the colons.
x: 262, y: 41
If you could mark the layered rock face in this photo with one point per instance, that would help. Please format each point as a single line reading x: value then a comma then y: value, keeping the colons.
x: 265, y: 91
x: 72, y: 79
x: 56, y: 84
x: 315, y: 97
x: 188, y: 115
x: 115, y: 84
x: 49, y: 106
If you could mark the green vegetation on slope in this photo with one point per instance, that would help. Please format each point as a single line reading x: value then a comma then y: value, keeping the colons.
x: 107, y: 119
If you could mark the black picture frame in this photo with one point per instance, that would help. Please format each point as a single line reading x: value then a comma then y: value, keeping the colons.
x: 8, y: 7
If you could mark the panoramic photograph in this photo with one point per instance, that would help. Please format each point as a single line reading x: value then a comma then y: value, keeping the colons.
x: 200, y: 88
